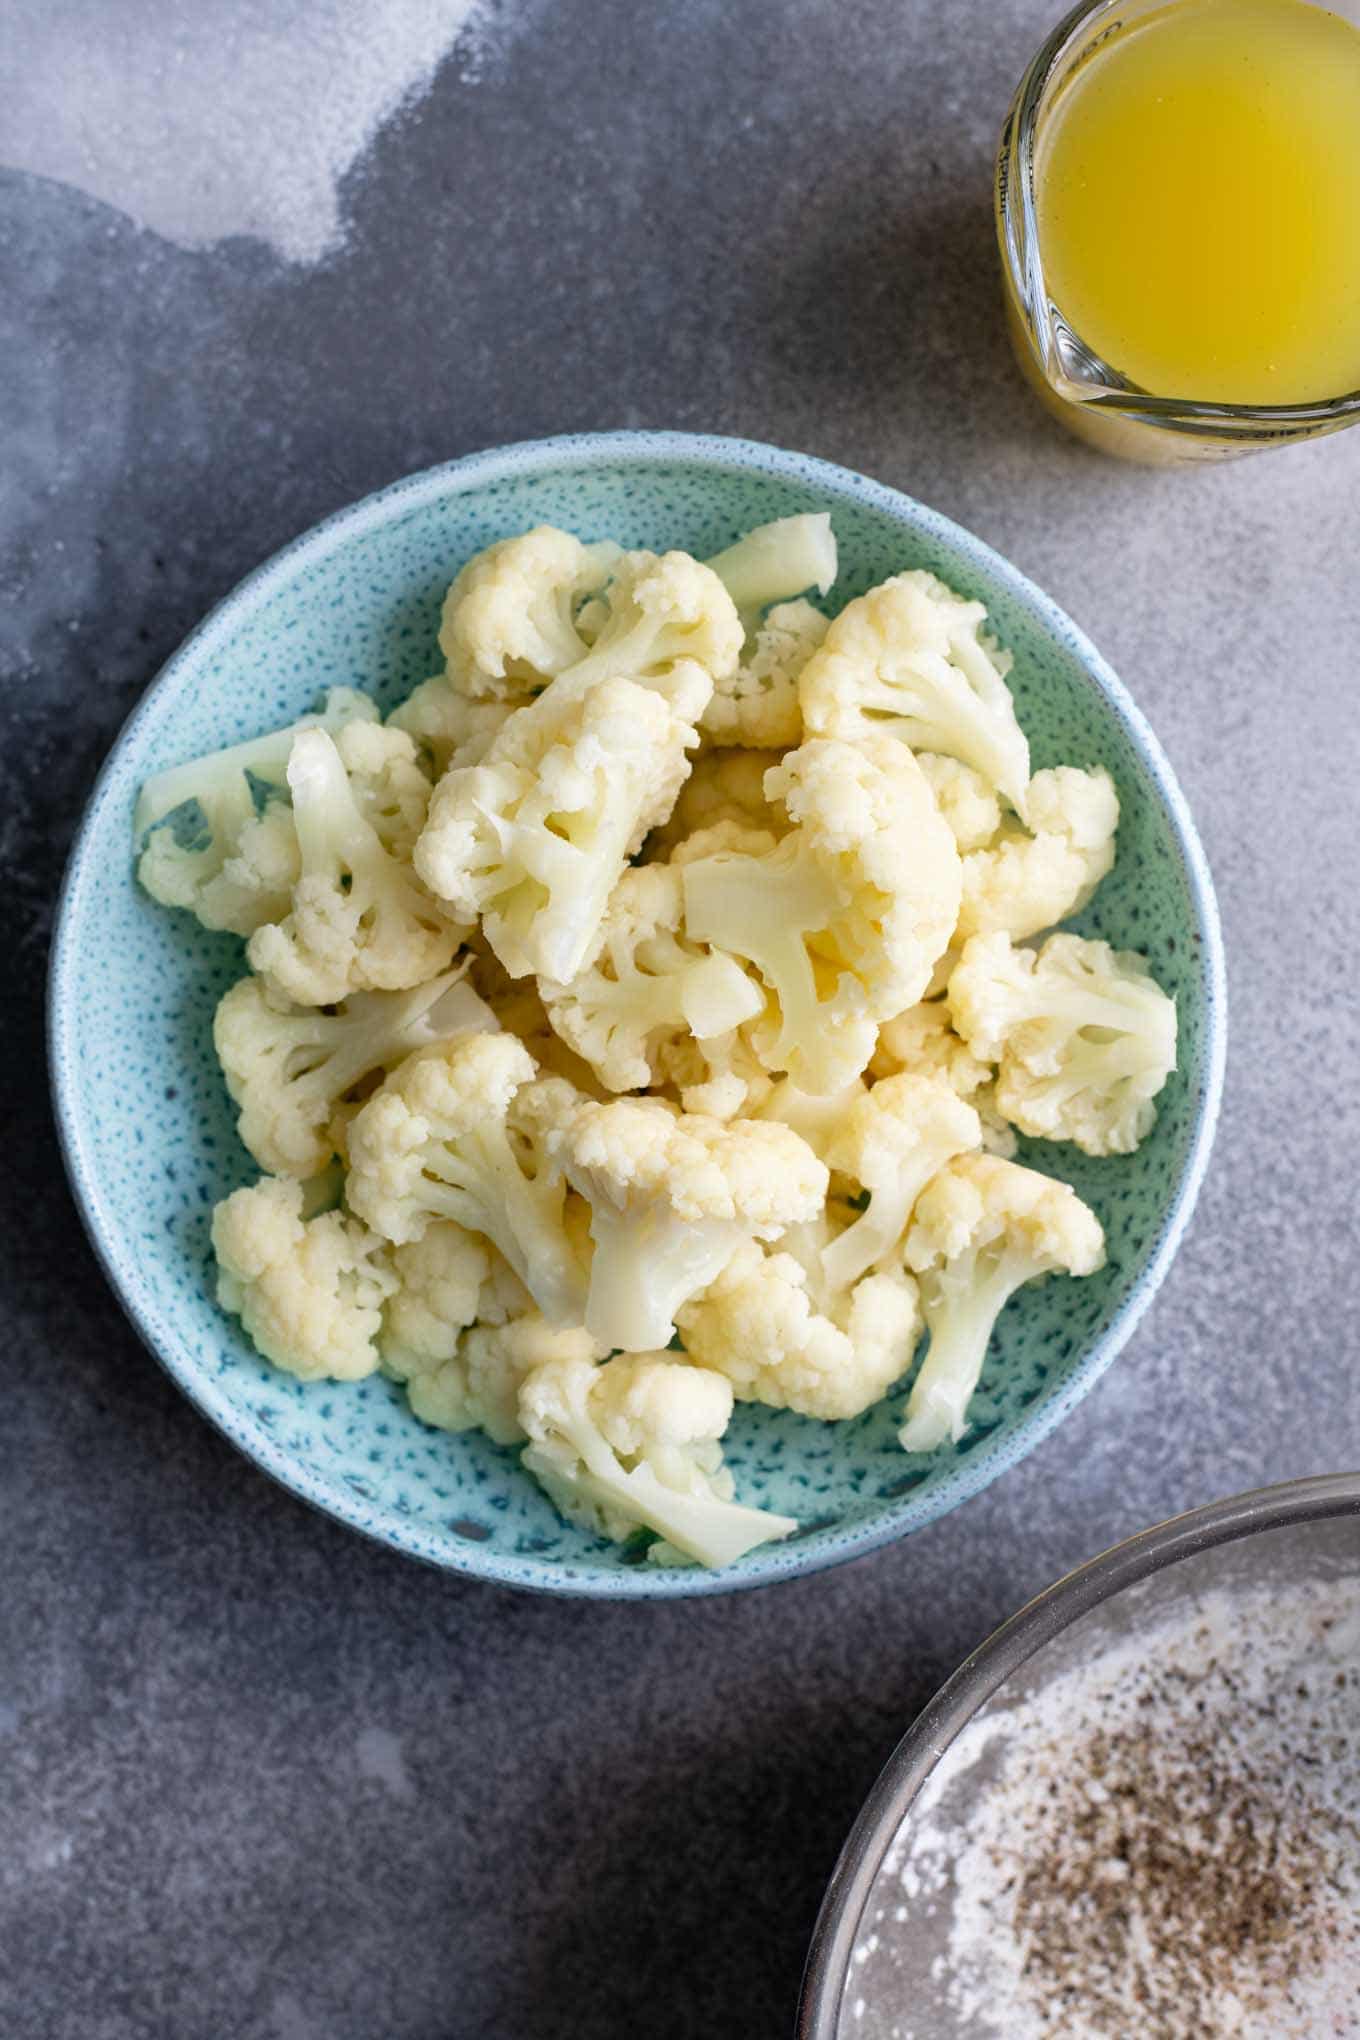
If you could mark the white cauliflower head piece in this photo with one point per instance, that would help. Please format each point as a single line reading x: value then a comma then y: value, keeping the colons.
x: 891, y: 1142
x: 360, y: 920
x: 910, y: 657
x: 757, y: 705
x: 509, y: 621
x: 965, y: 799
x: 1084, y: 1035
x: 672, y: 1195
x: 290, y: 1067
x: 783, y: 1335
x: 845, y: 918
x: 308, y: 1291
x: 462, y: 1332
x: 983, y: 1228
x: 216, y: 836
x: 1027, y: 879
x: 461, y: 1132
x: 635, y: 1444
x: 646, y: 986
x: 535, y: 838
x: 448, y: 727
x: 659, y: 614
x: 922, y: 1042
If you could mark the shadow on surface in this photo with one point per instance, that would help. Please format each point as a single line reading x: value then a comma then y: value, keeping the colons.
x: 691, y: 1901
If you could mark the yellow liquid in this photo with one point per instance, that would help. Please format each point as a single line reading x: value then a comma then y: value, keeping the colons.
x: 1199, y: 202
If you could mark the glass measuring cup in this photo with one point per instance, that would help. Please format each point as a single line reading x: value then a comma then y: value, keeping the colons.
x: 1093, y: 397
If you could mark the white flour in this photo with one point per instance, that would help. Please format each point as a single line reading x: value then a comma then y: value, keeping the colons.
x: 1162, y: 1844
x: 206, y: 118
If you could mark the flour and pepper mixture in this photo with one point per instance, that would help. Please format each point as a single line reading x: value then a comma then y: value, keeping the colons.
x: 1162, y: 1844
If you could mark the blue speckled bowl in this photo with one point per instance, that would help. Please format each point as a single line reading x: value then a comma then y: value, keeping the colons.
x: 149, y: 1135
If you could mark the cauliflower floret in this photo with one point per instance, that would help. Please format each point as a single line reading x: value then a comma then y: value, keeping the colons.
x: 461, y: 1132
x: 535, y: 838
x: 256, y: 880
x: 783, y: 1335
x: 776, y: 561
x: 1084, y: 1035
x: 910, y: 657
x: 1028, y: 879
x: 509, y: 621
x: 672, y: 1196
x: 658, y: 615
x: 725, y: 786
x: 289, y: 1067
x: 982, y: 1229
x: 255, y: 883
x: 390, y: 789
x: 892, y: 1141
x: 922, y: 1042
x: 758, y: 704
x: 635, y: 1444
x: 217, y: 834
x: 308, y: 1291
x: 359, y: 920
x: 644, y: 985
x: 450, y: 728
x: 462, y: 1332
x: 845, y: 918
x: 964, y: 798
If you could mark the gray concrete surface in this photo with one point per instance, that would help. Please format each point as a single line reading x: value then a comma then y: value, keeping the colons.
x: 258, y: 1778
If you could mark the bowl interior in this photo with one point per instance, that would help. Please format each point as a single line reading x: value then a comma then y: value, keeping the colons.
x: 1272, y: 1617
x: 150, y: 1135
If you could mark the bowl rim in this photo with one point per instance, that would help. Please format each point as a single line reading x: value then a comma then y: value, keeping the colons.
x: 820, y: 1548
x: 1317, y: 1498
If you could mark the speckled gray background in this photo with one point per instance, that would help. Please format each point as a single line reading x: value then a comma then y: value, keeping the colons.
x: 258, y: 1778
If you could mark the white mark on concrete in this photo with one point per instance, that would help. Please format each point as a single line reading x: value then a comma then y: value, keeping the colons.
x: 379, y: 1756
x: 207, y: 118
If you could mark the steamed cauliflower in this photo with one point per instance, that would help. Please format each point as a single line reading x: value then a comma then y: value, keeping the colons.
x: 891, y: 1142
x: 758, y: 704
x: 509, y: 621
x: 448, y: 727
x: 309, y: 1291
x: 634, y: 1445
x: 291, y: 1068
x: 1084, y: 1035
x: 462, y: 1332
x: 783, y: 1333
x: 910, y: 657
x: 983, y: 1228
x: 646, y: 985
x: 776, y: 561
x: 359, y: 918
x: 726, y: 785
x: 845, y: 918
x: 217, y: 835
x: 463, y: 1132
x: 671, y: 1196
x: 660, y: 828
x: 534, y: 839
x: 1026, y: 879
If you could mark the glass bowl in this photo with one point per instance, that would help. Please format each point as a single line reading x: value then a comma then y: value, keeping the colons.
x: 879, y: 1967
